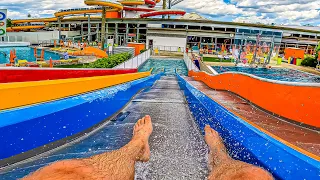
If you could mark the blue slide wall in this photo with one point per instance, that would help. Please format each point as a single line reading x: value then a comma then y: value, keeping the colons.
x: 247, y: 143
x: 33, y: 126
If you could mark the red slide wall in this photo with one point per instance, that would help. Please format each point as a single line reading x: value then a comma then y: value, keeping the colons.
x: 35, y: 74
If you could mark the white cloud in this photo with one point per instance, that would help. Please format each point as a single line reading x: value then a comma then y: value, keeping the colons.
x: 266, y: 11
x: 263, y: 11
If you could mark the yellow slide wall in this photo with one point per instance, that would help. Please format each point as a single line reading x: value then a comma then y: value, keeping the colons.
x: 26, y: 93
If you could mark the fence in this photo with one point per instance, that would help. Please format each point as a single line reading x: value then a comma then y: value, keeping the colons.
x: 11, y: 39
x: 169, y: 48
x: 189, y: 63
x: 135, y: 62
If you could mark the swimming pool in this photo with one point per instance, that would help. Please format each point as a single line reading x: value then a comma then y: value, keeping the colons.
x: 25, y: 53
x: 280, y: 74
x: 170, y: 65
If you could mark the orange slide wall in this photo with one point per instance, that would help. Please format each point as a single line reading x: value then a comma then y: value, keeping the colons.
x: 297, y: 103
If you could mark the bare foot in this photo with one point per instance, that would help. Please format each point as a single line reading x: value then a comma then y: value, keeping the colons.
x: 213, y: 139
x: 218, y: 152
x: 142, y: 130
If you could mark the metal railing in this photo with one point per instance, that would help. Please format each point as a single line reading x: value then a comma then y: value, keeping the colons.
x: 169, y: 48
x: 135, y: 62
x: 189, y: 63
x: 11, y: 39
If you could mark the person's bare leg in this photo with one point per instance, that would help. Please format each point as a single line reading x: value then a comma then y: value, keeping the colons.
x: 117, y: 164
x: 222, y: 166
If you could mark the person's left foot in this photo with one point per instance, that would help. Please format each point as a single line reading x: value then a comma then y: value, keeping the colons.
x: 143, y: 129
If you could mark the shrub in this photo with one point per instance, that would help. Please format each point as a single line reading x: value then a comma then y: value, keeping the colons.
x: 110, y: 61
x: 309, y: 61
x: 142, y: 51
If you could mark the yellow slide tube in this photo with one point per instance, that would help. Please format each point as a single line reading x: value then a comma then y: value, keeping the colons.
x: 132, y: 3
x: 117, y: 6
x: 54, y: 19
x: 25, y: 27
x: 19, y: 94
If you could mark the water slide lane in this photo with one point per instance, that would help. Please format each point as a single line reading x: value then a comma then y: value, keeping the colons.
x: 178, y: 149
x: 300, y: 138
x: 298, y: 102
x: 60, y: 121
x: 19, y: 94
x: 8, y: 75
x: 247, y: 143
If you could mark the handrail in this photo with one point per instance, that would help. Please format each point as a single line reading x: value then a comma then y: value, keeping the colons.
x: 135, y: 62
x: 298, y: 102
x: 189, y: 63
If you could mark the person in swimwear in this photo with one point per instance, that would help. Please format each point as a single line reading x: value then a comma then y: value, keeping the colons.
x: 120, y: 164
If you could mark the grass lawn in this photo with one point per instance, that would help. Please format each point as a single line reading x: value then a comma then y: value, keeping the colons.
x: 214, y: 59
x: 70, y: 66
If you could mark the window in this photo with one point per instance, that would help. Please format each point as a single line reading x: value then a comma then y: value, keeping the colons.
x: 231, y: 29
x: 219, y: 29
x: 193, y: 27
x: 180, y: 26
x: 277, y: 33
x: 254, y: 31
x: 208, y: 28
x: 111, y: 25
x: 132, y: 25
x: 268, y: 33
x: 165, y: 25
x: 246, y: 31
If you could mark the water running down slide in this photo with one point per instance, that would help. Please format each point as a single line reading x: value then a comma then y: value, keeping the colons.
x: 178, y: 149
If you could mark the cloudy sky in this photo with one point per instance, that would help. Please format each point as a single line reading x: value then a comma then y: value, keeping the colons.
x: 293, y: 12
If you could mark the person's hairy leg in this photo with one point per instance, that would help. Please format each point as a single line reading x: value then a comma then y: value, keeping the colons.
x: 222, y: 166
x: 117, y: 164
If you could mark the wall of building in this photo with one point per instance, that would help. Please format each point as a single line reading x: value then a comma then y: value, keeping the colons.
x: 167, y: 41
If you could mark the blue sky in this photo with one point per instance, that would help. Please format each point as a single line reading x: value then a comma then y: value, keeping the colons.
x: 287, y: 12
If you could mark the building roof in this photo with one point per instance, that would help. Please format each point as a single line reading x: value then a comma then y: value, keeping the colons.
x: 192, y: 16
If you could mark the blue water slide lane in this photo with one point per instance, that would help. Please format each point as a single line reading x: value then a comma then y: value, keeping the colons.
x: 23, y: 129
x: 247, y: 143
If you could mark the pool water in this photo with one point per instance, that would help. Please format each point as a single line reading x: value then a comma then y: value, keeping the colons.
x: 170, y: 65
x: 280, y: 74
x: 25, y: 53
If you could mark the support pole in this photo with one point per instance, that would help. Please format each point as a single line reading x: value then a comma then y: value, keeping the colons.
x: 164, y: 6
x: 89, y: 29
x: 103, y: 27
x: 59, y: 26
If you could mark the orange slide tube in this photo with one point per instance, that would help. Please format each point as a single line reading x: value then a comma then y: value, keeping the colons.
x: 299, y: 102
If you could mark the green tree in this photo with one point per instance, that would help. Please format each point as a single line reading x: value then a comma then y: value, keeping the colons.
x: 317, y: 51
x: 9, y: 24
x: 29, y: 15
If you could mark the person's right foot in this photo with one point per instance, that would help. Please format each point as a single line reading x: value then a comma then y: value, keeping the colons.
x: 213, y: 139
x: 218, y: 152
x: 142, y: 130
